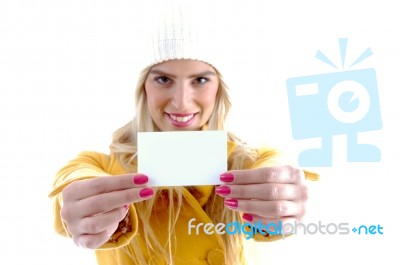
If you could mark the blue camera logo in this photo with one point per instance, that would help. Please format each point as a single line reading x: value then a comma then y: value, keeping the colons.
x: 330, y: 104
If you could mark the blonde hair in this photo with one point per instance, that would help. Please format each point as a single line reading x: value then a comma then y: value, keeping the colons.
x: 124, y: 145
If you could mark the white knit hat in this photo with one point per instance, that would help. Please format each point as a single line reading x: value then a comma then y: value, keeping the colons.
x: 184, y: 30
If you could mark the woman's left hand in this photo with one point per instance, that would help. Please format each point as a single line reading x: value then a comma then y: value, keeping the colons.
x: 267, y: 194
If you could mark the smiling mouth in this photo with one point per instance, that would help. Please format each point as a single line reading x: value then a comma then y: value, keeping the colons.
x: 181, y: 119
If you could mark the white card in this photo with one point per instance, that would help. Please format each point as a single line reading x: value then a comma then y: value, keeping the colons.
x: 182, y: 158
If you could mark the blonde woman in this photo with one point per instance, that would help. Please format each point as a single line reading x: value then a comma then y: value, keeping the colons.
x: 103, y: 203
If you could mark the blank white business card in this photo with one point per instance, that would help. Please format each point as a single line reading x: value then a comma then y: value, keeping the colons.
x: 182, y: 158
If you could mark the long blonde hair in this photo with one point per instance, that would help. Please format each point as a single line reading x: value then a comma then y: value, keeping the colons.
x: 124, y: 145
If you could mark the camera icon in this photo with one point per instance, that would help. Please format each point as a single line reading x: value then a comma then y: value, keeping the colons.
x: 330, y: 104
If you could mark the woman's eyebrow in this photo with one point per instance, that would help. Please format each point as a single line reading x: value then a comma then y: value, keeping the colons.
x: 205, y: 73
x: 159, y: 72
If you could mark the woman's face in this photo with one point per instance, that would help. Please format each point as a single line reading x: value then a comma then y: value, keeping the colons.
x: 181, y: 94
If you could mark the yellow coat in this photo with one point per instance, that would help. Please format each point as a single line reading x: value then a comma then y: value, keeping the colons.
x: 193, y: 249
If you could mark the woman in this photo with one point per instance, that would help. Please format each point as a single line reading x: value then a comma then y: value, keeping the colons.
x: 128, y: 222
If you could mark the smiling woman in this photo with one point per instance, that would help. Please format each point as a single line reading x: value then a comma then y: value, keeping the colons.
x: 181, y: 94
x: 103, y: 203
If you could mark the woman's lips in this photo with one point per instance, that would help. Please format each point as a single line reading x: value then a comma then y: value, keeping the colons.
x: 181, y: 120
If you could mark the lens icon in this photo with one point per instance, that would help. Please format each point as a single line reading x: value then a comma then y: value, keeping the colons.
x: 348, y: 101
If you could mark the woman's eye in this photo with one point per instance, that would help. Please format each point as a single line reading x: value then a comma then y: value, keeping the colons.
x: 163, y: 80
x: 201, y: 80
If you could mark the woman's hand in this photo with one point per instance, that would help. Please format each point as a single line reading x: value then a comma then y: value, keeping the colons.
x: 268, y: 194
x: 93, y: 208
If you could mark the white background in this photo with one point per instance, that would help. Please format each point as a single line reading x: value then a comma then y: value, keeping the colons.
x: 67, y: 74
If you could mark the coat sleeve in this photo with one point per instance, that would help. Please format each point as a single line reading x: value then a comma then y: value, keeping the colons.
x: 271, y: 157
x: 87, y: 165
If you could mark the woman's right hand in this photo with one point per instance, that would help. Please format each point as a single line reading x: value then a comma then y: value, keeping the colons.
x: 93, y: 208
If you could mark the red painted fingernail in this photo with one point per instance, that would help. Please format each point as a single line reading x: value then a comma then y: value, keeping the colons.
x: 247, y: 217
x: 223, y: 190
x: 140, y: 179
x: 226, y: 177
x: 231, y: 203
x: 146, y: 193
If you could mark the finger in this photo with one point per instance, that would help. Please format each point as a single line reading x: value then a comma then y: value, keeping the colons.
x: 265, y: 191
x: 254, y: 218
x: 96, y: 240
x: 98, y: 223
x: 106, y: 202
x: 280, y: 174
x: 269, y: 209
x: 85, y: 188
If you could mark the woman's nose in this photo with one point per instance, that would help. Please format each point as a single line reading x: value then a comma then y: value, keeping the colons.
x: 182, y: 97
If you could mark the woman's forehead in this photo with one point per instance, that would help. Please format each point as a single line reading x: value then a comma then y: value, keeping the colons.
x: 183, y: 66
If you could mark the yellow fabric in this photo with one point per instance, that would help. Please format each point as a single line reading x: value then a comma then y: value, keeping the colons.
x: 192, y: 249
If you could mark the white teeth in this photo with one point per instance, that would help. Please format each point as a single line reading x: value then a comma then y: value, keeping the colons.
x: 181, y: 119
